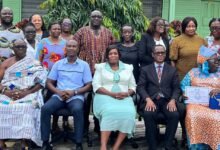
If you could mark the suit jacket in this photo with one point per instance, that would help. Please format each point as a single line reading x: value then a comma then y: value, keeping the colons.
x: 146, y: 45
x: 149, y: 86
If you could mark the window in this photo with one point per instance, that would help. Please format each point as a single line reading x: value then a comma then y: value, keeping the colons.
x: 152, y: 8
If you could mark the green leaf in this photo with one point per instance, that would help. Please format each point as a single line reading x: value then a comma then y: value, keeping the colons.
x: 115, y: 13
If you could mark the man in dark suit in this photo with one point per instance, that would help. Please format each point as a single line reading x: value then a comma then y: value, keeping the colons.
x: 158, y: 87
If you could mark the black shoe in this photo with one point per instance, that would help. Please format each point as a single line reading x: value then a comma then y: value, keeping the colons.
x: 79, y: 147
x: 184, y: 143
x: 47, y: 146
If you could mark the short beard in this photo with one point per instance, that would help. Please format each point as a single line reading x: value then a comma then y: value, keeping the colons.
x: 6, y: 23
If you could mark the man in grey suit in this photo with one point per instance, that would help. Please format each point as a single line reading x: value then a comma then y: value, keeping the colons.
x: 158, y: 87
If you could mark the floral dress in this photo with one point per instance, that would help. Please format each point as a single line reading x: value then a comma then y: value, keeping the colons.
x: 48, y: 53
x: 202, y: 123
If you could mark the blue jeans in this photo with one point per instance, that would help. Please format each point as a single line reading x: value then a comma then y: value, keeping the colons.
x: 54, y: 104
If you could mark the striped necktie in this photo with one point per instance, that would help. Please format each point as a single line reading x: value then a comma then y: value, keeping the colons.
x: 159, y: 72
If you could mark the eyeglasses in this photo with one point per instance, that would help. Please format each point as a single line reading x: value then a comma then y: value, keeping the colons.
x: 66, y: 24
x: 96, y: 16
x: 30, y: 32
x: 20, y: 46
x: 160, y: 25
x: 215, y: 28
x: 159, y: 53
x: 191, y: 26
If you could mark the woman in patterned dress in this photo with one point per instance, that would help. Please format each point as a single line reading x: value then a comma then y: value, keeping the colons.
x: 51, y: 49
x: 203, y: 123
x: 113, y: 84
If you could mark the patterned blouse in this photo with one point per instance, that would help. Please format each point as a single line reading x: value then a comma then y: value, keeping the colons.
x: 196, y: 78
x: 210, y: 41
x: 48, y: 53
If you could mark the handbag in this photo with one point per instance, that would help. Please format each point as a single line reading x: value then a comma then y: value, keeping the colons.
x: 214, y: 102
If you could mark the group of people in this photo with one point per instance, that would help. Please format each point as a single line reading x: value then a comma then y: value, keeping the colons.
x: 158, y: 68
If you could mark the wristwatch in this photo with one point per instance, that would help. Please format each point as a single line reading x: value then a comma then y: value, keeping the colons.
x: 75, y: 92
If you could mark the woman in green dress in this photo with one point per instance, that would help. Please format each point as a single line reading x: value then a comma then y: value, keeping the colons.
x: 113, y: 84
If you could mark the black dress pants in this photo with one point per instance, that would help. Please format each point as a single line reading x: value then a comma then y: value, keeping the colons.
x: 150, y: 119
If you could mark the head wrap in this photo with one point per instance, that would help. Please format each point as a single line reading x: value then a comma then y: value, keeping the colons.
x: 203, y: 55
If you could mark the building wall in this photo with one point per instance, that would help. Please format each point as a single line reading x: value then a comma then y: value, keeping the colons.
x: 165, y: 10
x: 23, y: 8
x: 15, y: 5
x: 202, y: 10
x: 152, y: 8
x: 30, y: 7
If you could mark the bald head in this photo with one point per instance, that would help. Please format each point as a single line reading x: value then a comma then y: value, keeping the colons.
x: 18, y: 41
x: 19, y: 47
x: 96, y: 12
x: 96, y: 19
x: 72, y: 48
x: 72, y: 42
x: 6, y: 9
x: 6, y: 16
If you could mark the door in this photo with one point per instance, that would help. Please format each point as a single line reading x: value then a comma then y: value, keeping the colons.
x: 209, y: 9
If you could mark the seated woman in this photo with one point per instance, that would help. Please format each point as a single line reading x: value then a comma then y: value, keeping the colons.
x: 203, y: 123
x: 113, y: 85
x: 21, y: 78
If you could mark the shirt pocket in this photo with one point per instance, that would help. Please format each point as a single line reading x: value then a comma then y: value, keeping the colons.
x: 71, y: 75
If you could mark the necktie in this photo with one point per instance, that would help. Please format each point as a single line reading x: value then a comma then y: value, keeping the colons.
x: 159, y: 72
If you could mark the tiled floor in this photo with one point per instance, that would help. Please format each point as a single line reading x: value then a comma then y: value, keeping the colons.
x: 140, y: 129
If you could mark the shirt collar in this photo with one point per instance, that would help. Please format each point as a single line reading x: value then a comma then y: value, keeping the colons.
x: 65, y: 61
x: 156, y: 65
x: 121, y: 67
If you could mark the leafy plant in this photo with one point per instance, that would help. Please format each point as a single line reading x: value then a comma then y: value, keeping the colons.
x: 116, y: 13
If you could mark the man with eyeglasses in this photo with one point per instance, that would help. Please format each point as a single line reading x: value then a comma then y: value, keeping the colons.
x: 8, y: 33
x: 21, y: 78
x: 93, y: 40
x: 158, y: 86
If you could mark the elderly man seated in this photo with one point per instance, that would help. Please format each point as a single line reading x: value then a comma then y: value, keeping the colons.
x: 21, y: 79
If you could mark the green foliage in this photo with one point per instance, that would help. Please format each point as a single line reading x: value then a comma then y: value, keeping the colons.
x: 115, y: 13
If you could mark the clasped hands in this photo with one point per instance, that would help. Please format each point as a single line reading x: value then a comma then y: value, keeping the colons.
x: 150, y: 105
x: 16, y: 93
x: 120, y: 95
x: 65, y: 95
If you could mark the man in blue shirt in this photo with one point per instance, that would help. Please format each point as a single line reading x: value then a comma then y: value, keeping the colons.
x: 73, y: 78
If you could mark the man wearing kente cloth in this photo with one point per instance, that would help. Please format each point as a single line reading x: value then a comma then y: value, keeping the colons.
x: 21, y: 79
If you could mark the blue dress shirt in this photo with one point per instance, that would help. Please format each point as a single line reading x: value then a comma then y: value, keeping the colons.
x: 71, y: 76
